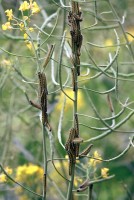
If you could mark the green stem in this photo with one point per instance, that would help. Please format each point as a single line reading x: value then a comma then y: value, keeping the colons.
x: 45, y: 162
x: 90, y: 189
x: 69, y: 194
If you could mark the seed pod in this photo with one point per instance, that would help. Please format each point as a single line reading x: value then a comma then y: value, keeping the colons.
x: 110, y: 103
x: 82, y: 189
x: 35, y: 104
x: 84, y: 184
x: 86, y: 151
x: 49, y: 54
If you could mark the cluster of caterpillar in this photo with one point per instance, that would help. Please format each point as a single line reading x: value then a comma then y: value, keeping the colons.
x: 74, y: 19
x: 43, y: 98
x: 77, y: 134
x: 70, y: 148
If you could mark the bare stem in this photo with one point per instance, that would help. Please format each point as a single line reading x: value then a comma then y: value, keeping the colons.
x: 45, y: 162
x: 69, y: 194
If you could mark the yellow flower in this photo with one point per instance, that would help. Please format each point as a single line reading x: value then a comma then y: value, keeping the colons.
x: 8, y: 170
x: 104, y: 172
x: 29, y: 45
x: 24, y: 197
x: 95, y: 160
x: 35, y: 8
x: 24, y: 171
x: 3, y: 178
x: 25, y: 36
x: 20, y: 171
x: 6, y: 63
x: 9, y: 14
x: 21, y: 25
x: 6, y: 26
x: 31, y: 29
x: 69, y: 103
x: 108, y: 42
x: 24, y: 6
x: 31, y: 169
x: 66, y: 157
x: 25, y: 18
x: 131, y: 35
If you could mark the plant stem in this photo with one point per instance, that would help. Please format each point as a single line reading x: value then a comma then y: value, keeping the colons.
x: 45, y: 162
x: 76, y: 46
x: 90, y: 189
x: 69, y: 194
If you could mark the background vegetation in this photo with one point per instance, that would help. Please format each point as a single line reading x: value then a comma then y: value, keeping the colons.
x: 21, y: 149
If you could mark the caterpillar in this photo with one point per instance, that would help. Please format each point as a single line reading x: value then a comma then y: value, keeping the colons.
x: 70, y: 148
x: 70, y: 138
x: 74, y: 31
x: 77, y: 140
x: 71, y: 161
x: 74, y: 28
x: 43, y: 90
x: 73, y: 79
x: 77, y: 7
x: 86, y: 151
x: 44, y: 118
x: 48, y: 126
x: 43, y: 83
x: 78, y: 64
x: 77, y: 149
x: 78, y: 17
x: 70, y: 165
x: 44, y: 180
x: 44, y: 103
x: 79, y: 43
x: 73, y: 6
x: 77, y: 134
x: 76, y: 124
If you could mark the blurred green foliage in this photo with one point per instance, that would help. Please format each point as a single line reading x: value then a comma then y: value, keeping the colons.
x: 20, y: 135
